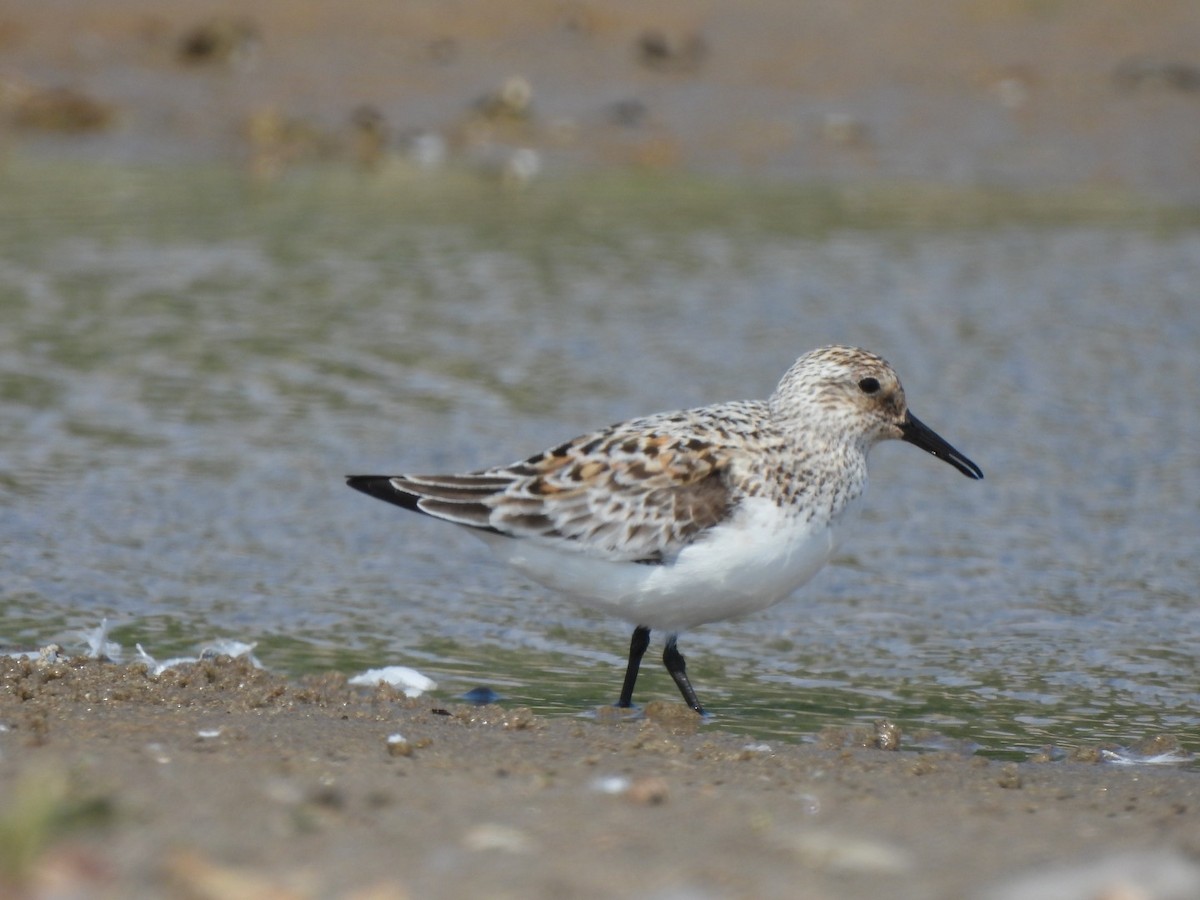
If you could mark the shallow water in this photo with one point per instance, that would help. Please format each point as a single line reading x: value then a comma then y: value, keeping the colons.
x: 188, y: 365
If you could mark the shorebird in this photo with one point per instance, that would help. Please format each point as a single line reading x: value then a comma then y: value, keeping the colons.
x: 682, y: 518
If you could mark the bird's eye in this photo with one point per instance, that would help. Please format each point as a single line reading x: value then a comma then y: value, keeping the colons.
x: 869, y: 385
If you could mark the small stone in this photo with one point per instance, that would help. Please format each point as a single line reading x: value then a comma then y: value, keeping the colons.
x: 60, y: 109
x: 327, y: 796
x: 1157, y: 745
x: 922, y: 765
x: 887, y: 735
x: 519, y: 719
x: 398, y: 745
x: 1010, y: 777
x: 648, y: 791
x: 676, y: 717
x: 511, y: 100
x: 665, y: 52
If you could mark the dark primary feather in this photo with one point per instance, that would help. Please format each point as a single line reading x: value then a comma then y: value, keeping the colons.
x: 455, y: 498
x: 380, y: 487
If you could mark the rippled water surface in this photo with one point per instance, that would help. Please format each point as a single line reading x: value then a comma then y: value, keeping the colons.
x: 189, y: 365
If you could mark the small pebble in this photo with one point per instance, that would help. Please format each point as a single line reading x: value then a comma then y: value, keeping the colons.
x: 1010, y: 777
x: 398, y: 745
x: 648, y: 791
x: 887, y: 735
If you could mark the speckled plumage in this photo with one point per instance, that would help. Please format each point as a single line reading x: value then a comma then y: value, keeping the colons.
x: 681, y: 518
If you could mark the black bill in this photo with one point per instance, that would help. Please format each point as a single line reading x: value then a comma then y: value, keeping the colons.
x: 921, y: 435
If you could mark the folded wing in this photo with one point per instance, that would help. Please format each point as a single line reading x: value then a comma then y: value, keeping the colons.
x: 622, y: 494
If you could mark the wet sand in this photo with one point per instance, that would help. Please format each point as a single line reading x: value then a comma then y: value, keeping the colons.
x: 225, y: 781
x: 220, y: 780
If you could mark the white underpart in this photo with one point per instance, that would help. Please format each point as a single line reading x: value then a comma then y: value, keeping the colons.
x: 747, y: 564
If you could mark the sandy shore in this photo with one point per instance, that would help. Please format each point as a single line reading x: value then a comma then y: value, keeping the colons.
x: 220, y: 780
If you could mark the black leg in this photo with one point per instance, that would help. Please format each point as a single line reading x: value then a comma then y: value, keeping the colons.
x: 637, y: 649
x: 676, y: 665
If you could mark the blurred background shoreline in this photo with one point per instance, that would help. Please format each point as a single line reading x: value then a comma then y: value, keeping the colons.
x: 1098, y: 99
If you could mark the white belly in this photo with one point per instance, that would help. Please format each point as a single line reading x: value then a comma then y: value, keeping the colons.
x: 750, y: 564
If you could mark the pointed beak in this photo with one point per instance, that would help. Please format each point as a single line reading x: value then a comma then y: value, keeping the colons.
x: 921, y: 435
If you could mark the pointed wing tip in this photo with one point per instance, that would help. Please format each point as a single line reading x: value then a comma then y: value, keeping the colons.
x: 381, y: 487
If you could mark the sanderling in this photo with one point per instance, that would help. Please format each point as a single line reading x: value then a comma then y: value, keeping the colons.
x: 682, y: 518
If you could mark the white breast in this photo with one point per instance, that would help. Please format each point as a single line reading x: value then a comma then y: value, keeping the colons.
x: 757, y: 559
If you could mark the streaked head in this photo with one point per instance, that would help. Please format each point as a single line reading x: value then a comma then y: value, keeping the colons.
x: 858, y: 394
